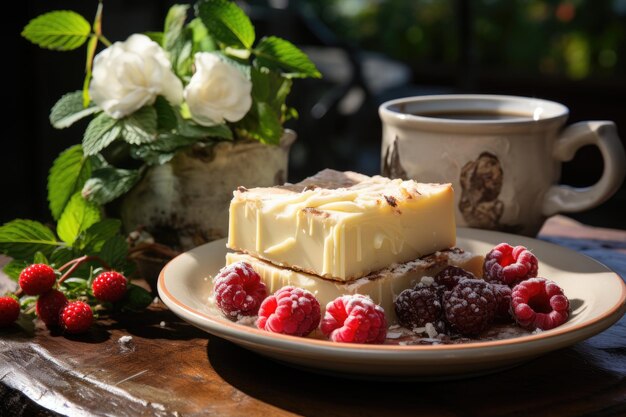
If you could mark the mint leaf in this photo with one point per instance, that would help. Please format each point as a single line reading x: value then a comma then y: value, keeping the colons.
x: 136, y: 298
x: 202, y: 42
x: 62, y: 30
x: 40, y: 258
x: 163, y: 149
x: 69, y: 109
x: 166, y: 115
x: 261, y: 123
x: 270, y: 87
x: 141, y: 126
x: 174, y: 23
x: 78, y: 215
x: 62, y: 255
x: 22, y: 239
x: 67, y: 176
x: 155, y: 36
x: 92, y: 239
x: 108, y: 183
x: 279, y: 54
x: 193, y: 130
x: 14, y: 268
x: 99, y: 134
x: 114, y: 252
x: 226, y: 23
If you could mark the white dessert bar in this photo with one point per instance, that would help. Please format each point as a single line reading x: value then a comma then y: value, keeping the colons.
x: 382, y: 286
x: 342, y: 225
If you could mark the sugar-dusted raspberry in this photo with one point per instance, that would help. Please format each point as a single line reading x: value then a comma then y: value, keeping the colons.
x: 76, y: 317
x: 49, y: 306
x: 417, y: 306
x: 239, y: 290
x: 354, y: 319
x: 470, y: 307
x: 9, y: 311
x: 109, y: 286
x: 290, y: 310
x: 509, y: 265
x: 503, y: 301
x: 451, y: 275
x: 36, y: 279
x: 538, y: 303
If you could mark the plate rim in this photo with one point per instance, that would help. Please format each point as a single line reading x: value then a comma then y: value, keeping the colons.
x: 609, y: 317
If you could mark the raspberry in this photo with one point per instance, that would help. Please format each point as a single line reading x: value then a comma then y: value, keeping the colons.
x: 503, y: 301
x: 49, y: 307
x: 417, y: 306
x: 509, y: 265
x: 451, y: 275
x: 470, y: 307
x: 354, y: 319
x: 290, y: 310
x: 538, y: 303
x: 9, y: 311
x: 36, y: 279
x: 239, y: 290
x: 76, y: 317
x: 109, y: 286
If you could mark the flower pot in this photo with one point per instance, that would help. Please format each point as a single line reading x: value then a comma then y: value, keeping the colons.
x: 184, y: 203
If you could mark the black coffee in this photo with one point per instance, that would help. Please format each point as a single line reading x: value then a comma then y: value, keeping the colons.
x: 475, y: 115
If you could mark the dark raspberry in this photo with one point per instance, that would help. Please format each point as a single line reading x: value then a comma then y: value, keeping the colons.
x: 49, y: 306
x: 290, y: 310
x: 509, y: 265
x: 9, y: 311
x: 239, y: 290
x: 36, y: 279
x: 470, y: 307
x: 109, y: 286
x: 354, y: 319
x: 76, y: 317
x: 417, y: 306
x: 503, y: 301
x: 538, y: 303
x: 451, y: 275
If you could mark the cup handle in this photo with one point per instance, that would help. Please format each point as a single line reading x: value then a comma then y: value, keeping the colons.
x: 603, y: 134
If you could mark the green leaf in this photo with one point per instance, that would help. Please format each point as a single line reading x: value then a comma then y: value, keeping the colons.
x: 114, y: 252
x: 156, y: 37
x: 174, y: 23
x: 270, y: 87
x: 91, y: 52
x: 163, y: 149
x: 69, y: 109
x: 193, y: 130
x: 136, y: 298
x: 14, y: 268
x: 99, y: 134
x: 78, y: 216
x: 141, y: 126
x: 62, y: 255
x: 261, y: 123
x: 67, y: 176
x: 278, y: 54
x: 202, y: 41
x: 166, y: 115
x: 108, y: 183
x: 22, y: 239
x: 92, y: 239
x: 62, y: 30
x: 40, y: 258
x: 226, y: 22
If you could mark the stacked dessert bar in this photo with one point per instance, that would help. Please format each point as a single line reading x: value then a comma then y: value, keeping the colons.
x: 344, y: 233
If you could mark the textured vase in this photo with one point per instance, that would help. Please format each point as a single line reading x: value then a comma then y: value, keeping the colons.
x: 184, y: 203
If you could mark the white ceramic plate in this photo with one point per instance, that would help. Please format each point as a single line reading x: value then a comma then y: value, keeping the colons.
x: 597, y: 295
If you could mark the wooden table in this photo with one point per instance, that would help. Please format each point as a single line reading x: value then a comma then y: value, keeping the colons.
x: 170, y: 368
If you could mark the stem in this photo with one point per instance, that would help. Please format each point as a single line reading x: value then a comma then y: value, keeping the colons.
x: 78, y: 262
x: 104, y: 40
x: 18, y: 293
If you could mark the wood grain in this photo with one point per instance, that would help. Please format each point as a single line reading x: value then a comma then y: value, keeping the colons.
x: 170, y: 368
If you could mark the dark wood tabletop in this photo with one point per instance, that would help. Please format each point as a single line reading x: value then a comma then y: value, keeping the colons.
x: 169, y: 368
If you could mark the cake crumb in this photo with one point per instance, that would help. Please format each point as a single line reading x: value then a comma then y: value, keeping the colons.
x: 162, y: 324
x: 394, y: 335
x: 156, y: 300
x: 126, y: 344
x: 431, y: 331
x: 428, y: 281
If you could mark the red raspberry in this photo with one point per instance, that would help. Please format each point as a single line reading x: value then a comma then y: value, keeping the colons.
x: 509, y: 265
x: 36, y: 279
x: 239, y: 290
x: 9, y: 311
x: 76, y: 317
x: 538, y: 303
x: 417, y: 306
x: 503, y: 301
x: 49, y: 306
x: 290, y: 310
x: 451, y: 275
x: 470, y: 307
x: 354, y: 319
x: 109, y: 286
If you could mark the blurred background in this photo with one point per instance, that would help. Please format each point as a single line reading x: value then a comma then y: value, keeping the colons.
x: 369, y: 51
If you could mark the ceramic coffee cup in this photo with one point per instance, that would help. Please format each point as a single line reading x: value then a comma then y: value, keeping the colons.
x: 502, y: 154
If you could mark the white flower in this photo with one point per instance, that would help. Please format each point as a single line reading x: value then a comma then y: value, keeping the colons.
x: 128, y: 75
x: 217, y: 91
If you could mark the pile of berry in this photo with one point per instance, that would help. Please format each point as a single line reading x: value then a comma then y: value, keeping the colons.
x: 458, y: 302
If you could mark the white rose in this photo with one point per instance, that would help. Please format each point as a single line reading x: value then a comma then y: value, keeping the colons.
x: 129, y: 75
x: 217, y: 91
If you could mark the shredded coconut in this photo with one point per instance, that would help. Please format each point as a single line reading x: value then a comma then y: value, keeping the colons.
x: 431, y: 331
x: 162, y: 324
x: 394, y: 335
